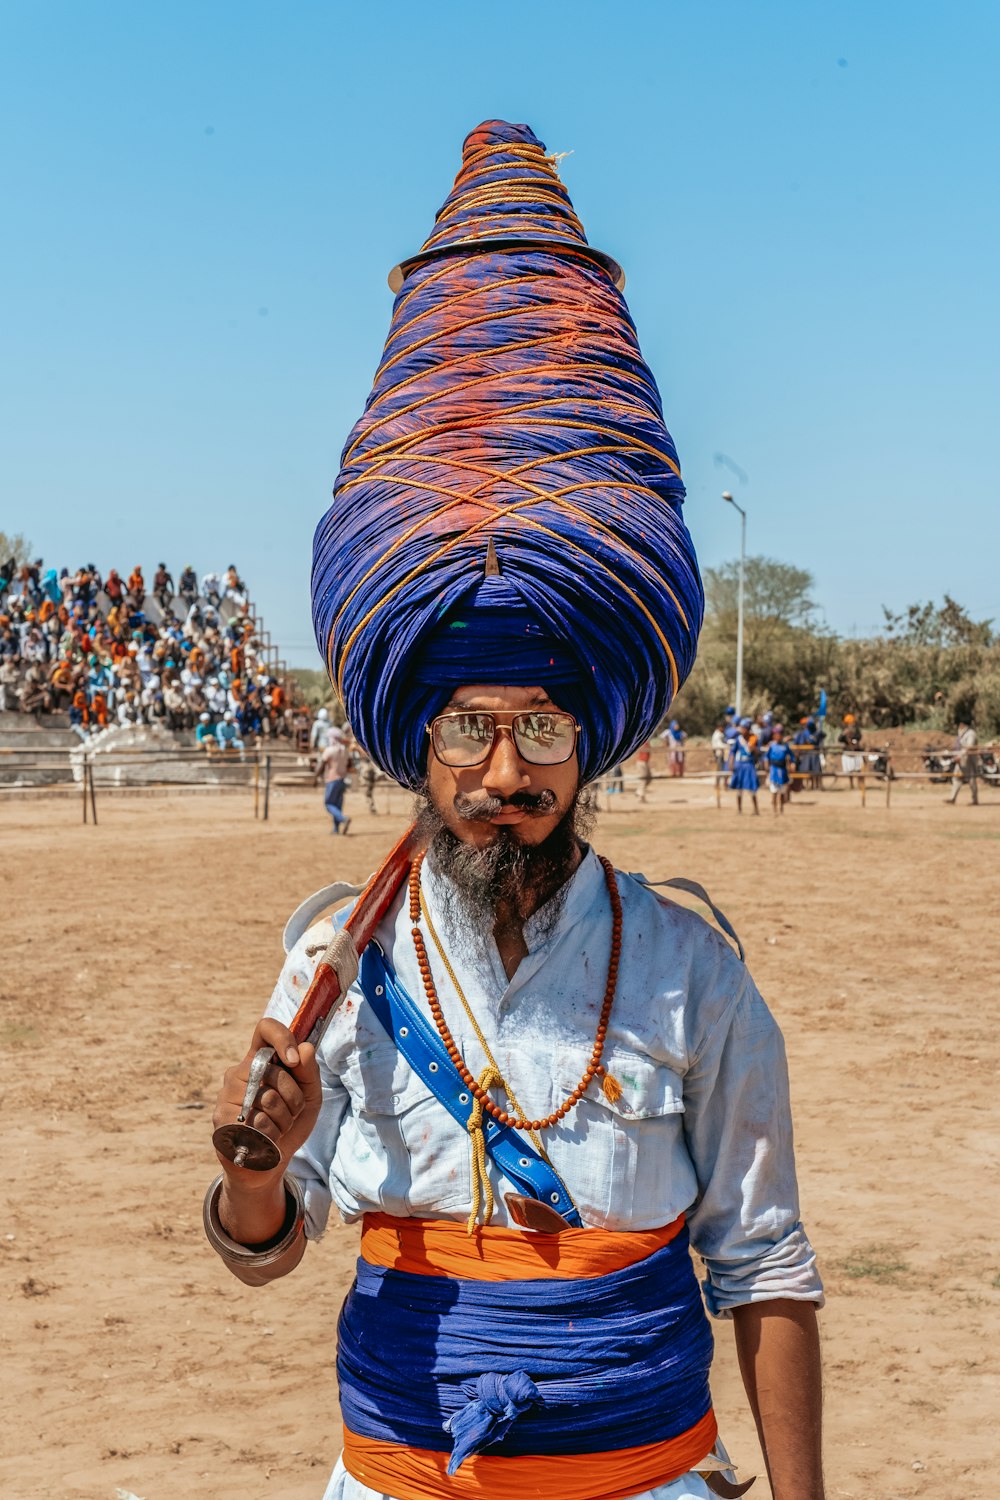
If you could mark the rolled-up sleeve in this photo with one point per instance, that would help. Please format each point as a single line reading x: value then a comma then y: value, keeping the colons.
x: 310, y: 1165
x: 745, y: 1222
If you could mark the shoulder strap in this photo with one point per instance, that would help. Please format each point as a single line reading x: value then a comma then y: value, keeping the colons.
x: 681, y: 883
x: 313, y: 906
x: 426, y: 1054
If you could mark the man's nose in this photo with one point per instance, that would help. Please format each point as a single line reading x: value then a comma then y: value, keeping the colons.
x: 504, y: 772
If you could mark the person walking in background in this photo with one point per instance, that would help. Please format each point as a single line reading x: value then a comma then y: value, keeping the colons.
x: 643, y: 770
x: 966, y: 763
x: 720, y: 750
x: 333, y: 764
x: 744, y: 777
x: 852, y: 760
x: 779, y: 760
x: 674, y: 737
x: 368, y: 774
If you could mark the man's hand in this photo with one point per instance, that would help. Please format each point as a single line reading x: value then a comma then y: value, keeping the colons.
x: 288, y: 1100
x: 252, y: 1207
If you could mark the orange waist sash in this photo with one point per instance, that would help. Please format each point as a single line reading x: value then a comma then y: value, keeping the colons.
x: 441, y: 1247
x: 418, y: 1474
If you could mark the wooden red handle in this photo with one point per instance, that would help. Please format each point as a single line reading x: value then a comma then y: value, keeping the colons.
x: 369, y: 909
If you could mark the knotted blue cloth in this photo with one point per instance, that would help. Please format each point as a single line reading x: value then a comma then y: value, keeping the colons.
x: 512, y: 404
x: 495, y: 1402
x: 542, y: 1367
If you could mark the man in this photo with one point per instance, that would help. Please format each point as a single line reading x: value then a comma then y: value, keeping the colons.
x: 643, y: 770
x: 852, y: 760
x: 545, y: 1077
x: 319, y: 735
x: 163, y: 586
x: 205, y: 735
x: 966, y: 763
x: 228, y: 735
x: 720, y: 749
x: 506, y: 848
x: 211, y: 587
x: 674, y: 738
x: 779, y: 761
x: 187, y: 586
x: 332, y: 767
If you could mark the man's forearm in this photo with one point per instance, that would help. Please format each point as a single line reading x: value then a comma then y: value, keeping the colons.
x: 778, y: 1347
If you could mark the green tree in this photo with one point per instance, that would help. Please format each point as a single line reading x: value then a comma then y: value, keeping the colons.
x: 947, y: 626
x: 773, y: 591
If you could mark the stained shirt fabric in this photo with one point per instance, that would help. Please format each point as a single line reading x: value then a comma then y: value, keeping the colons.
x: 702, y: 1126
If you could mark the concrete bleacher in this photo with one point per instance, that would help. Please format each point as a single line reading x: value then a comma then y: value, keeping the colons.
x: 28, y: 741
x: 22, y: 736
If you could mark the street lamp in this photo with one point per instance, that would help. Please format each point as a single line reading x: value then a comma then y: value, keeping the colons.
x: 739, y: 607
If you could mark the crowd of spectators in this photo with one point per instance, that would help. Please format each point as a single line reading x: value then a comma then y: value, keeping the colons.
x: 93, y: 647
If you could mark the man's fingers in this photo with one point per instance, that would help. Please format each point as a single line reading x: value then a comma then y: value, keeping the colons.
x: 306, y: 1075
x: 271, y: 1104
x: 262, y: 1122
x: 272, y: 1033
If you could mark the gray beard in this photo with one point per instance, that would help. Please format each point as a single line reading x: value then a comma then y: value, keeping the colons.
x: 481, y: 883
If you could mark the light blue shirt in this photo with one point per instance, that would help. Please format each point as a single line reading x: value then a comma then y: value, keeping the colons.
x: 703, y: 1126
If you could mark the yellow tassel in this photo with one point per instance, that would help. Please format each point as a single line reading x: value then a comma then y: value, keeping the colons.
x: 482, y: 1192
x: 611, y: 1088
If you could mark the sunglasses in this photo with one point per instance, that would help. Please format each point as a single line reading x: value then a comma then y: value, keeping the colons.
x: 542, y: 737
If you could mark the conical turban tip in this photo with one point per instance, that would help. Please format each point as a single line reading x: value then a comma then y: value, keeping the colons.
x: 508, y: 195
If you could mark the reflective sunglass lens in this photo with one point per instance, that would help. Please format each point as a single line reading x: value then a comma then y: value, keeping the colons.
x: 545, y: 739
x: 463, y: 739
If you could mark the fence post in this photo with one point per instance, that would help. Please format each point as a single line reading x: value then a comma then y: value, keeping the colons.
x: 861, y: 783
x: 267, y: 786
x: 83, y: 783
x: 93, y: 799
x: 256, y: 783
x: 888, y: 779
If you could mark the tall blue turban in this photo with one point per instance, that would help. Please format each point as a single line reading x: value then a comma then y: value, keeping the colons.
x: 512, y: 404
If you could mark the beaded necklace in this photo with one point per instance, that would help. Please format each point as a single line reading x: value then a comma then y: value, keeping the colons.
x: 594, y: 1068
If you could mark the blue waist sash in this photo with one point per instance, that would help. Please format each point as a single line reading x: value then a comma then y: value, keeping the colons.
x: 526, y: 1367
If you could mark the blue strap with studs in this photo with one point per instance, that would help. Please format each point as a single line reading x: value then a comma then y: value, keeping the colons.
x: 426, y: 1054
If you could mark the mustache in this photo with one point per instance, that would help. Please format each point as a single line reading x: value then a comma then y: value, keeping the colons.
x: 482, y: 809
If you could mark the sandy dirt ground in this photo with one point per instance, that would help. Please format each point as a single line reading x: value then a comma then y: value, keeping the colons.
x: 136, y: 957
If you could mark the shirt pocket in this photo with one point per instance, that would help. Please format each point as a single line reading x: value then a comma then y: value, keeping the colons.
x: 624, y: 1159
x: 414, y: 1158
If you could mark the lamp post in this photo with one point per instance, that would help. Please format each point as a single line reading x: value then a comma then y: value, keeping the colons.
x: 739, y: 606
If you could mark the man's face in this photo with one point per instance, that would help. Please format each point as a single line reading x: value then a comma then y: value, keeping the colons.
x: 503, y: 787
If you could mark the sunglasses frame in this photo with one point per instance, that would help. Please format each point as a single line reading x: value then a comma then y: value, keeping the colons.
x: 465, y: 713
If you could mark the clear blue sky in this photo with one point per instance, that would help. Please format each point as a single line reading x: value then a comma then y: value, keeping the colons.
x: 201, y: 203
